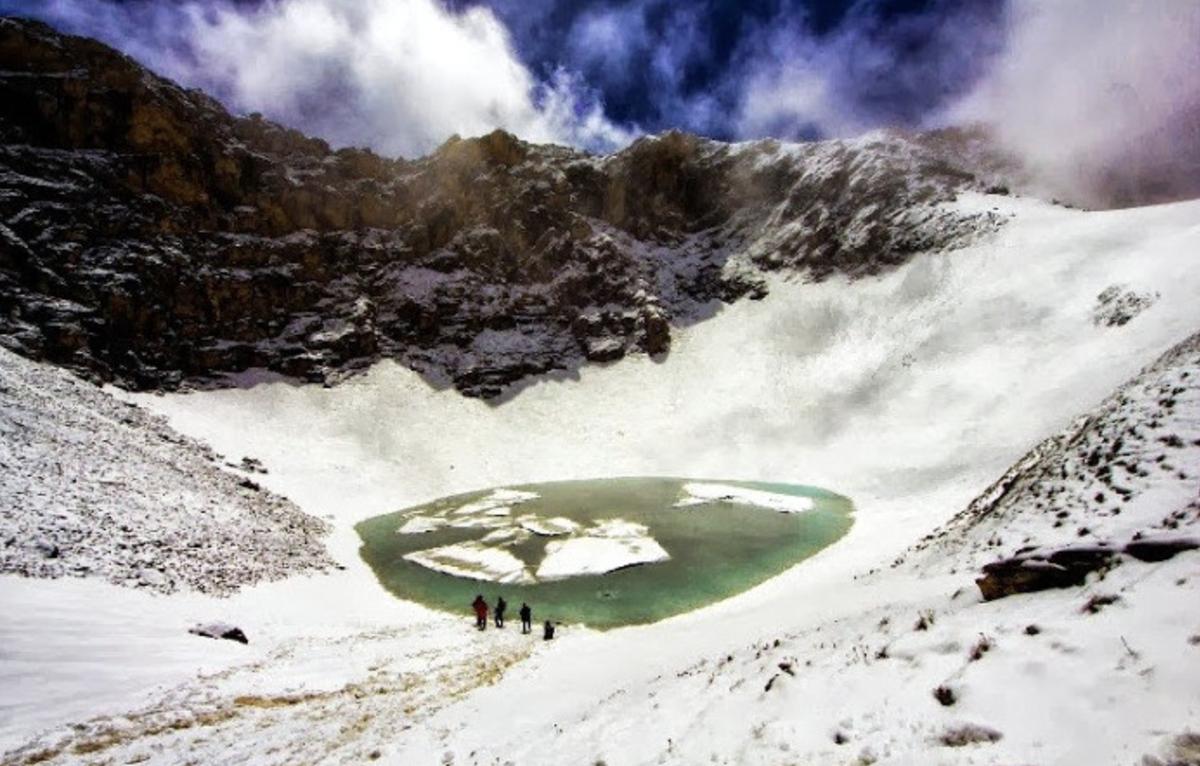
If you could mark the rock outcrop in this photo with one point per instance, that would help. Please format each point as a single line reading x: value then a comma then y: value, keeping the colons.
x: 151, y: 239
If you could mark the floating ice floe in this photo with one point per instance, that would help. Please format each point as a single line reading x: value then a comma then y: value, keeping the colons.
x: 475, y: 561
x: 498, y: 503
x: 699, y: 493
x: 419, y: 525
x: 604, y: 547
x: 479, y: 522
x: 506, y: 536
x: 551, y: 527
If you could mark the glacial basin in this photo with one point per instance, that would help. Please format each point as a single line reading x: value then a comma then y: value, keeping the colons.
x: 604, y: 552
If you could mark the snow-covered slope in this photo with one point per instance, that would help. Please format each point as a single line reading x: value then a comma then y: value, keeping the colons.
x: 93, y: 486
x: 910, y: 392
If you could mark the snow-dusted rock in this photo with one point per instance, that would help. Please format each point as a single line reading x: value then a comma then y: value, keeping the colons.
x: 324, y: 260
x: 219, y: 630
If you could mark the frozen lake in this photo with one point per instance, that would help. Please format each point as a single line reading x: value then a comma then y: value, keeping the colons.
x: 604, y: 552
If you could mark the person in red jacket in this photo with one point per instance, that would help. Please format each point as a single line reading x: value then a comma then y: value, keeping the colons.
x: 481, y: 611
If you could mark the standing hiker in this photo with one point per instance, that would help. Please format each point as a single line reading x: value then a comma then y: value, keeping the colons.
x: 501, y: 605
x: 526, y: 618
x: 481, y: 611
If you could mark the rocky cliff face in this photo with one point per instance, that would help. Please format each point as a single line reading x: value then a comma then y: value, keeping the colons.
x: 151, y: 239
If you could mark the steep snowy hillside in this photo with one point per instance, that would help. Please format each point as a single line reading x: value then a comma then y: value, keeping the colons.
x: 149, y: 238
x: 95, y: 487
x: 1124, y: 477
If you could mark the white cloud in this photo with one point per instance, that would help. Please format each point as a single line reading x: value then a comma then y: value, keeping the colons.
x: 1100, y: 97
x: 399, y: 76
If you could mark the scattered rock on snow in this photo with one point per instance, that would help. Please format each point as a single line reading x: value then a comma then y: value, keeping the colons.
x: 1117, y: 304
x: 219, y: 630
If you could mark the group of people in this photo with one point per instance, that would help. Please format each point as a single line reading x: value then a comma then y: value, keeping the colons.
x: 481, y: 616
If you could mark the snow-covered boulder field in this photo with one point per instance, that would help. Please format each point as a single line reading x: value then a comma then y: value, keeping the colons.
x: 98, y: 487
x: 913, y: 393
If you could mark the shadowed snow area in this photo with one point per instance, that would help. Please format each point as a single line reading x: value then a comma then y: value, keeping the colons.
x: 911, y: 393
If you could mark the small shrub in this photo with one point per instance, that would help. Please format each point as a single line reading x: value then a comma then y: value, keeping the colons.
x: 968, y: 734
x: 945, y: 695
x: 1098, y: 602
x: 982, y: 646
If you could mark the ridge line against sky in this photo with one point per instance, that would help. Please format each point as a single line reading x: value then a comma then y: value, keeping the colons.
x: 1077, y: 87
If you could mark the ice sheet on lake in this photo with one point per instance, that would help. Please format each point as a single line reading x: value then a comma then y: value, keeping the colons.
x: 497, y: 500
x: 474, y: 560
x: 548, y: 527
x: 419, y: 525
x: 699, y: 493
x: 506, y: 536
x: 605, y: 547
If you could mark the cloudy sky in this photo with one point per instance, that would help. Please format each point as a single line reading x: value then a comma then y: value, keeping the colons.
x: 1064, y: 81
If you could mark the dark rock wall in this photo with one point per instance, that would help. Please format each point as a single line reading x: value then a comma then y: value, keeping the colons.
x: 151, y: 239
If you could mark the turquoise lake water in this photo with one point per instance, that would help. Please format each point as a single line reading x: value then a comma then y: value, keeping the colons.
x: 717, y: 549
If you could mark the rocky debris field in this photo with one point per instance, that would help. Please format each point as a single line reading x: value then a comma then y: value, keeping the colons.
x: 92, y: 486
x: 151, y: 239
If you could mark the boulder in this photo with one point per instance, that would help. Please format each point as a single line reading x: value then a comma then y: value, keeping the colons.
x: 1042, y: 570
x: 1160, y: 549
x: 219, y: 630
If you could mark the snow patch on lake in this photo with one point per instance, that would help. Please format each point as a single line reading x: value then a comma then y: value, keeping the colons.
x: 604, y: 547
x: 499, y: 503
x: 475, y: 561
x: 698, y: 493
x: 419, y: 525
x: 551, y: 527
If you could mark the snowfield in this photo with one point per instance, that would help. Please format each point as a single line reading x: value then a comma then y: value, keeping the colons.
x: 912, y: 393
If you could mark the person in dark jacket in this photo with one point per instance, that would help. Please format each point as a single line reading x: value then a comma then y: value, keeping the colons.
x: 548, y: 630
x: 526, y: 618
x: 481, y: 611
x: 501, y: 606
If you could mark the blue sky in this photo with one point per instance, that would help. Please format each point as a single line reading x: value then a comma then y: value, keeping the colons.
x: 656, y: 61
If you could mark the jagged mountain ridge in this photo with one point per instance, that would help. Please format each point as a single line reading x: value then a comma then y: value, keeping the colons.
x: 151, y: 239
